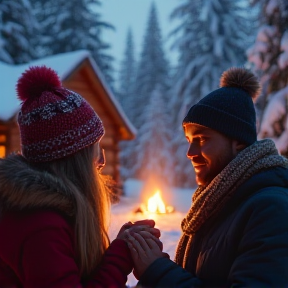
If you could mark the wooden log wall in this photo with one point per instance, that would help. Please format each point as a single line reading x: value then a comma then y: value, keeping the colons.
x: 80, y: 84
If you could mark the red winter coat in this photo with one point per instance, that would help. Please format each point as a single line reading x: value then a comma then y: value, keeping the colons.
x: 37, y: 248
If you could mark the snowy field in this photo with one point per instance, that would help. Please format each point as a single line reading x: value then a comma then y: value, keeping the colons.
x: 169, y: 224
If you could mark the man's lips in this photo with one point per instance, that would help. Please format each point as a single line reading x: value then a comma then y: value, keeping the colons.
x: 198, y: 166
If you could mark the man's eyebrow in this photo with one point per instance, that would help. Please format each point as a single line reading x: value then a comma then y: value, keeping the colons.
x: 200, y: 131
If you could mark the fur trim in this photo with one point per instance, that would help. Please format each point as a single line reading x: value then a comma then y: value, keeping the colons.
x: 23, y: 187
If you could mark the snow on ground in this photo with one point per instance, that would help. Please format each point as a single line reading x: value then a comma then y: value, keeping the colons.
x: 169, y: 224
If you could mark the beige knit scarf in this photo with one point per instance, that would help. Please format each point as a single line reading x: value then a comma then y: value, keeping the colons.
x: 209, y: 200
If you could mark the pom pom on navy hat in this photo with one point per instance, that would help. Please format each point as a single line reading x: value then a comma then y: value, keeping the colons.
x: 241, y: 78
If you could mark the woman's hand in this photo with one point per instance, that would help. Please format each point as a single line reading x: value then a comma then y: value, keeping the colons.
x: 144, y: 249
x: 142, y: 225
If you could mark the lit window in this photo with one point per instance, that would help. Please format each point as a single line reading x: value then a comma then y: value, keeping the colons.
x: 2, y: 151
x: 2, y: 145
x: 2, y: 138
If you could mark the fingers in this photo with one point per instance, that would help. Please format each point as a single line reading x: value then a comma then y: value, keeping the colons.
x: 127, y: 225
x: 139, y: 242
x: 143, y: 223
x: 142, y: 260
x: 133, y: 252
x: 151, y: 241
x: 138, y: 228
x: 146, y: 241
x: 147, y: 235
x: 149, y: 222
x: 145, y: 232
x: 154, y: 231
x: 144, y: 251
x: 121, y: 234
x: 136, y: 250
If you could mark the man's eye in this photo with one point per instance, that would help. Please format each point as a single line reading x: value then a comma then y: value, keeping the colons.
x: 202, y: 139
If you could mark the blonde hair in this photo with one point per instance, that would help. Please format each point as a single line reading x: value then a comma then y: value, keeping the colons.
x: 92, y: 200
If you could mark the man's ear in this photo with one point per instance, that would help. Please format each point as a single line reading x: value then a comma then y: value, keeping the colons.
x: 239, y: 146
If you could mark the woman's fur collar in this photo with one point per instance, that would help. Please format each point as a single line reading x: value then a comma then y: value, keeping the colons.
x: 24, y: 187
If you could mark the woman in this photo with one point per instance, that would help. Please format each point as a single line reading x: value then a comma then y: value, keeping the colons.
x: 53, y: 202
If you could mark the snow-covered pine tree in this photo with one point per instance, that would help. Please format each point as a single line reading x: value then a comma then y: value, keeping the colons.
x: 211, y: 36
x: 125, y: 95
x: 269, y: 56
x: 18, y: 32
x: 152, y: 71
x: 126, y: 80
x: 72, y: 25
x: 155, y: 158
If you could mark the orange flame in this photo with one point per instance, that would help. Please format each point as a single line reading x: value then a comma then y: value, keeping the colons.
x: 156, y: 204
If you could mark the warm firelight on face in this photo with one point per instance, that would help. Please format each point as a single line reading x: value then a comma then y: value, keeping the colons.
x: 156, y: 204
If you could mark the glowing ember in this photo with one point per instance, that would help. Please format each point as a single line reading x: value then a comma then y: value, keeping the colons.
x: 155, y: 205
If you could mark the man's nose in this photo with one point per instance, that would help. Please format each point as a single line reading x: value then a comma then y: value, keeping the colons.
x: 193, y: 150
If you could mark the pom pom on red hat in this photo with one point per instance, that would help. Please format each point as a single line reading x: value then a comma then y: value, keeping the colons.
x: 54, y: 122
x: 35, y: 81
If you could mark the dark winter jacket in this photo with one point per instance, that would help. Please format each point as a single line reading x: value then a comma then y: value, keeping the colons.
x: 37, y: 247
x: 244, y: 245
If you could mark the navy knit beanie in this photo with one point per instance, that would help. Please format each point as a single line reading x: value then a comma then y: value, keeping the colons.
x: 229, y: 109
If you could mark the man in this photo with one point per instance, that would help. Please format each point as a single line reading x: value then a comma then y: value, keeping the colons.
x: 236, y: 231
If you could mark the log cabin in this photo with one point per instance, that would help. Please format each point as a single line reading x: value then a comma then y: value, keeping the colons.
x: 78, y: 72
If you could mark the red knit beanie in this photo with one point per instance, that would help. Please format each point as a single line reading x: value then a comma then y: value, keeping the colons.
x: 54, y: 122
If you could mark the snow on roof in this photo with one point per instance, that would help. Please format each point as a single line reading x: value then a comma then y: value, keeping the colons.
x: 63, y: 64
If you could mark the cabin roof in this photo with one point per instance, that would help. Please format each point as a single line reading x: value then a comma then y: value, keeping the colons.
x: 65, y: 65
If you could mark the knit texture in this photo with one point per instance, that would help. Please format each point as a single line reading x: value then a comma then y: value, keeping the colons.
x: 209, y: 200
x: 54, y: 122
x: 228, y: 110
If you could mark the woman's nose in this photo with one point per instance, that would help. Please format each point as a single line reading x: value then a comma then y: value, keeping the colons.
x: 101, y: 160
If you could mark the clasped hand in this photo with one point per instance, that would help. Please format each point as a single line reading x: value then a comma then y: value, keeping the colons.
x: 144, y: 244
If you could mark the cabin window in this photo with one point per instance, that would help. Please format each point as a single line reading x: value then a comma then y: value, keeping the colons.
x: 2, y: 145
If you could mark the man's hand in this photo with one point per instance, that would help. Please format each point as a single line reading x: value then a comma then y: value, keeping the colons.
x: 145, y: 249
